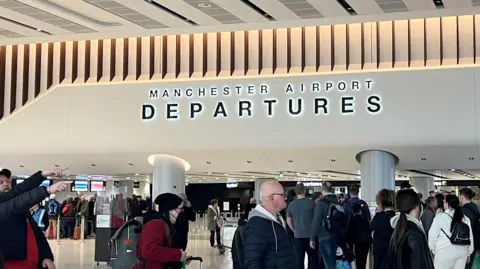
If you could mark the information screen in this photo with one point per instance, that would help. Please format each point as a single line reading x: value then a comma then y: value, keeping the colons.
x: 97, y: 186
x: 80, y: 186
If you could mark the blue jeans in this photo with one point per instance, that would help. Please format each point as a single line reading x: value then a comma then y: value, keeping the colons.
x: 328, y: 251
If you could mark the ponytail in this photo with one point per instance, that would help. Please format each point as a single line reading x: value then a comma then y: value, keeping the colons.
x: 458, y: 215
x: 399, y: 231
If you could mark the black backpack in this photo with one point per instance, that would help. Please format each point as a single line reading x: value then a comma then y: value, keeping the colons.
x: 336, y: 220
x: 460, y: 234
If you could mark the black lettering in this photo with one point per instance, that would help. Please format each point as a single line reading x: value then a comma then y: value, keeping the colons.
x: 269, y: 104
x: 177, y: 93
x: 342, y: 86
x: 315, y: 87
x: 148, y: 112
x: 213, y: 91
x: 165, y: 94
x: 226, y: 91
x: 264, y: 89
x: 374, y: 104
x: 328, y: 86
x: 153, y: 94
x: 244, y: 105
x: 171, y: 109
x: 201, y: 91
x: 356, y: 85
x: 289, y: 88
x: 239, y: 89
x: 251, y: 89
x: 369, y: 84
x: 220, y: 109
x: 299, y: 107
x: 321, y: 103
x: 189, y: 92
x: 348, y: 104
x: 302, y: 87
x: 195, y: 108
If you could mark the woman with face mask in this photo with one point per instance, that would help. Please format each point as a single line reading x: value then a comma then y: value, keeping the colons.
x: 155, y: 245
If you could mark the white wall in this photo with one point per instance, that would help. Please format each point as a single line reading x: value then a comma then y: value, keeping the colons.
x: 144, y: 189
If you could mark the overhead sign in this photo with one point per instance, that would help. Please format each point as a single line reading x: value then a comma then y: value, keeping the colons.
x: 315, y: 97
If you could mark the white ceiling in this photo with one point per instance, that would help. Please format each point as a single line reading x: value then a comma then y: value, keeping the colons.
x: 41, y: 20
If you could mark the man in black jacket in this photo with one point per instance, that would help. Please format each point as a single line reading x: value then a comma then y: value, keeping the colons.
x: 473, y: 214
x: 267, y: 243
x: 15, y: 230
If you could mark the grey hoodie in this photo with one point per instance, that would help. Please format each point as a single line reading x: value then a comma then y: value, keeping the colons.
x: 319, y: 214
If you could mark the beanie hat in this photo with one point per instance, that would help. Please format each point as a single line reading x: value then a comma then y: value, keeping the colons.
x: 167, y: 202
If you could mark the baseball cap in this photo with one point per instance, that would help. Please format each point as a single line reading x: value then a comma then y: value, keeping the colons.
x: 6, y: 173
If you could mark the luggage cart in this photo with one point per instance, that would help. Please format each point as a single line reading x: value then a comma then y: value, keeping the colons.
x: 222, y: 248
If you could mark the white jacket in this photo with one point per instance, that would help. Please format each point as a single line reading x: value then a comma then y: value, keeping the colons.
x: 437, y: 239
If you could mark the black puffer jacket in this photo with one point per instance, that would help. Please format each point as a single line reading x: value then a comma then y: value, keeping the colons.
x: 237, y: 244
x: 267, y: 243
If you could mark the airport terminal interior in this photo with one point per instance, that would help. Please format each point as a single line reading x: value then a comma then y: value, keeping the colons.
x: 126, y: 100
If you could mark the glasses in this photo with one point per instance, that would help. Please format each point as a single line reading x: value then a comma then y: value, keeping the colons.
x: 279, y: 194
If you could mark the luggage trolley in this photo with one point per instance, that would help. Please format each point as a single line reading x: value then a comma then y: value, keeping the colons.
x: 222, y: 247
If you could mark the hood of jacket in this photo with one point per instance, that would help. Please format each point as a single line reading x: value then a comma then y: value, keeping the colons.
x: 473, y: 207
x: 394, y: 221
x: 261, y: 212
x: 330, y: 197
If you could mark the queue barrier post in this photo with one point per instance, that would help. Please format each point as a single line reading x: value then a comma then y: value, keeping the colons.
x: 82, y: 229
x: 58, y: 232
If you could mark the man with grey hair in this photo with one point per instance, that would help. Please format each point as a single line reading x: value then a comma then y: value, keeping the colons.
x: 299, y: 219
x: 267, y: 243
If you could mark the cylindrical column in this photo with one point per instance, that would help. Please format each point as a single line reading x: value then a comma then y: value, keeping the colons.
x: 422, y: 185
x: 258, y: 184
x: 168, y: 174
x: 378, y: 172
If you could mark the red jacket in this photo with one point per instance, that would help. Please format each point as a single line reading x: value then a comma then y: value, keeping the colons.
x: 151, y: 246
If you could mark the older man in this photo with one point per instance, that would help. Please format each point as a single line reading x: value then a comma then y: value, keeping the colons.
x: 267, y: 243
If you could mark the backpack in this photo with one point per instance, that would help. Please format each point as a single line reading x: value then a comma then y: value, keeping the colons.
x: 336, y: 220
x: 460, y: 234
x: 53, y: 208
x: 237, y: 247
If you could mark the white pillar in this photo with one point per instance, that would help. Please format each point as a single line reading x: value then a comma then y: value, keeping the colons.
x: 168, y: 174
x: 422, y: 185
x: 258, y: 184
x: 378, y: 172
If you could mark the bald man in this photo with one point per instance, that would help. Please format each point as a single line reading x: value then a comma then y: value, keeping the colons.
x: 267, y: 244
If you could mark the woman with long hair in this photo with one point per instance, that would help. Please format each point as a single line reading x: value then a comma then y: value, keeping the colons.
x: 408, y: 246
x: 440, y: 203
x: 448, y: 255
x: 382, y: 230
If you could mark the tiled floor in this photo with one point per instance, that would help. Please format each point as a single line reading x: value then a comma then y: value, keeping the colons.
x: 71, y: 254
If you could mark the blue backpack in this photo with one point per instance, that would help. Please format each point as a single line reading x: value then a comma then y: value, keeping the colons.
x: 53, y: 208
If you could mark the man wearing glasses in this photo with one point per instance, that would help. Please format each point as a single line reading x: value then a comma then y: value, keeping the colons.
x: 267, y: 243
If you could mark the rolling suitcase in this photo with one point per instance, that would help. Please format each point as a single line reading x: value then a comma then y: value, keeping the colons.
x: 192, y: 259
x: 77, y: 230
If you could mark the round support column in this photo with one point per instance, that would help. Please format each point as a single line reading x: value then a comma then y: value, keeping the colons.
x: 422, y: 185
x: 168, y: 174
x: 378, y: 172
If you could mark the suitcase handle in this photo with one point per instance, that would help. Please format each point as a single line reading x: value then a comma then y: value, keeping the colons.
x: 195, y: 259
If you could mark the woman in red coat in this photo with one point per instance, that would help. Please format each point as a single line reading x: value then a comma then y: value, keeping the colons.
x: 155, y: 242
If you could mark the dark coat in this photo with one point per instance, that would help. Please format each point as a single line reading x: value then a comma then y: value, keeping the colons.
x: 237, y: 245
x: 413, y: 252
x: 267, y: 244
x: 13, y: 235
x: 180, y: 238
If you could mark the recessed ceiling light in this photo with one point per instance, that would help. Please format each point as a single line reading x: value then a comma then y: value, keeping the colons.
x: 209, y: 173
x: 253, y: 176
x: 216, y: 178
x: 131, y: 164
x: 203, y: 177
x: 40, y: 30
x: 226, y: 175
x: 333, y: 160
x: 209, y: 162
x: 249, y: 161
x: 57, y: 165
x: 137, y: 174
x: 423, y: 159
x: 93, y: 165
x: 128, y: 177
x: 290, y: 161
x: 109, y: 177
x: 471, y: 158
x: 204, y: 5
x: 453, y: 170
x: 21, y: 166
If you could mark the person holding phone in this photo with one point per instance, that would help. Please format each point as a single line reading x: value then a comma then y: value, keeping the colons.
x: 22, y: 242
